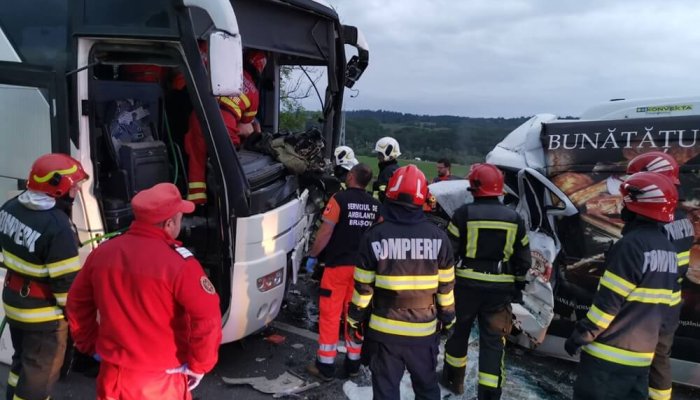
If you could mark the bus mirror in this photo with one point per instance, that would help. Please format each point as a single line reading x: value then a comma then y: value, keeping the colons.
x: 225, y: 64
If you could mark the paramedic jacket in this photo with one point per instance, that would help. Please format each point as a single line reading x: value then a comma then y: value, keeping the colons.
x: 386, y: 171
x: 352, y: 211
x: 404, y: 283
x: 39, y: 246
x: 633, y: 298
x: 493, y: 246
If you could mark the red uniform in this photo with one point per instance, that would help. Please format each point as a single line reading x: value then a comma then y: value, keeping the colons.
x: 157, y: 310
x: 241, y: 109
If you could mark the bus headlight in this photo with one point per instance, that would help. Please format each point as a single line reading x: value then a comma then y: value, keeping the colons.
x: 271, y: 280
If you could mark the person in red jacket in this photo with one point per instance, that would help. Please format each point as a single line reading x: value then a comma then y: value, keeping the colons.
x: 159, y: 325
x: 239, y: 115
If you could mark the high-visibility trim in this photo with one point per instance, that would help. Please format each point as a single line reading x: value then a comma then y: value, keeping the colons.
x: 197, y: 185
x: 445, y: 300
x: 351, y: 321
x: 250, y: 113
x: 659, y: 394
x: 489, y: 380
x: 457, y: 362
x: 683, y: 258
x: 327, y: 347
x: 196, y: 196
x: 48, y: 176
x: 15, y: 397
x: 15, y: 263
x: 651, y: 296
x: 33, y: 315
x: 446, y: 275
x: 401, y: 328
x: 382, y: 188
x: 473, y: 236
x: 675, y: 298
x: 245, y: 99
x: 617, y: 284
x: 64, y: 267
x: 525, y: 241
x: 363, y: 275
x: 480, y: 276
x: 228, y: 102
x: 325, y: 359
x: 600, y: 317
x: 12, y: 379
x: 359, y: 300
x: 353, y: 355
x: 452, y: 229
x: 521, y: 278
x: 619, y: 356
x: 61, y: 298
x: 410, y: 282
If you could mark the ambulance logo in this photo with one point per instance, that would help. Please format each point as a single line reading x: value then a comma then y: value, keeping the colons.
x: 207, y: 285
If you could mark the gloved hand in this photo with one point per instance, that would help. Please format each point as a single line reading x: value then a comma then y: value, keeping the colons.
x: 446, y: 329
x: 356, y: 332
x: 311, y: 263
x: 97, y: 357
x: 571, y: 346
x: 193, y: 378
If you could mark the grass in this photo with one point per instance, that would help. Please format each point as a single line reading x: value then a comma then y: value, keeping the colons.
x: 428, y: 167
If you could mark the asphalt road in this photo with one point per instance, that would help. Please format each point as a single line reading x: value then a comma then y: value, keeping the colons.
x: 529, y: 376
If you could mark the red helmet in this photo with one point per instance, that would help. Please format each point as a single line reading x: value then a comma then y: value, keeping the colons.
x: 55, y: 174
x: 408, y: 186
x: 485, y: 180
x: 257, y: 59
x: 651, y: 195
x: 655, y: 161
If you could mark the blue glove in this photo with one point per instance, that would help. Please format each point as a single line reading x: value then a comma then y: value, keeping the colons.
x: 97, y: 357
x: 310, y: 264
x: 193, y: 378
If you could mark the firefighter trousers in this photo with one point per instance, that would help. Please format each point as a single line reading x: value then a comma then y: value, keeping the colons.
x: 388, y: 362
x: 119, y: 383
x: 602, y: 380
x: 493, y: 312
x: 660, y: 377
x: 36, y: 362
x: 335, y: 294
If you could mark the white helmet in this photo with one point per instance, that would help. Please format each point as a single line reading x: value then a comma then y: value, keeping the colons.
x: 345, y: 157
x: 388, y: 148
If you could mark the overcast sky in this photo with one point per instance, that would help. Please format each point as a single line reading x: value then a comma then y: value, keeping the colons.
x: 512, y: 58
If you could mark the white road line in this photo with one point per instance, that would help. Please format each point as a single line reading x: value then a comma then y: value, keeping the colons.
x: 297, y: 331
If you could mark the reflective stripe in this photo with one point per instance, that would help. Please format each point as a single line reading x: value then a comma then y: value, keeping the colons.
x: 651, y: 296
x: 12, y: 379
x: 489, y: 380
x: 246, y: 100
x: 473, y: 236
x: 683, y: 258
x: 525, y: 241
x: 446, y: 275
x: 196, y: 196
x: 359, y: 300
x: 617, y: 284
x: 619, y: 356
x: 659, y: 394
x: 325, y: 359
x: 328, y: 347
x: 363, y: 276
x: 351, y: 321
x: 401, y: 328
x: 411, y: 282
x: 480, y: 276
x: 64, y: 267
x: 521, y: 278
x: 457, y: 362
x: 15, y: 397
x: 48, y: 176
x: 353, y: 355
x: 382, y: 188
x: 33, y: 315
x: 451, y: 228
x: 61, y: 298
x: 599, y: 317
x: 228, y: 102
x: 197, y: 185
x: 445, y: 300
x: 15, y: 263
x: 675, y: 298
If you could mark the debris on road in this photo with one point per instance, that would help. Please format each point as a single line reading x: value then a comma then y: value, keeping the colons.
x: 298, y: 346
x: 275, y: 338
x: 284, y: 385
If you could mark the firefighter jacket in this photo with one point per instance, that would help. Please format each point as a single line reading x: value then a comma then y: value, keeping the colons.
x: 236, y: 110
x: 493, y: 248
x: 40, y: 250
x: 404, y: 282
x: 386, y: 171
x: 157, y: 308
x: 682, y: 234
x: 633, y: 298
x: 351, y: 211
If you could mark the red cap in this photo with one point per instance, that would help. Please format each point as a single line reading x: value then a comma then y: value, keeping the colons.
x: 156, y: 204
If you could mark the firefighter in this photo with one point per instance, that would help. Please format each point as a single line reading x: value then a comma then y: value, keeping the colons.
x: 403, y: 293
x: 143, y: 305
x: 387, y: 149
x: 238, y: 114
x: 494, y: 257
x: 40, y: 251
x: 635, y: 295
x: 344, y: 161
x: 682, y: 234
x: 347, y: 216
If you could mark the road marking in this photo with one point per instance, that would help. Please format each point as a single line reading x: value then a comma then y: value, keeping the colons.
x: 297, y: 331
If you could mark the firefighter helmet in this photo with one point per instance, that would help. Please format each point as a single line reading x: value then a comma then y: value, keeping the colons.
x: 55, y: 174
x: 345, y: 157
x: 655, y: 161
x: 651, y: 195
x: 388, y: 149
x: 408, y: 186
x: 257, y: 59
x: 485, y: 180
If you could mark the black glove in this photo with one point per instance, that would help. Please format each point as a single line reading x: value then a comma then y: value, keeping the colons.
x: 572, y: 346
x: 356, y: 332
x: 446, y: 329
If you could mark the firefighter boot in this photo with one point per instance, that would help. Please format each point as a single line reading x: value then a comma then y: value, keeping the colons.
x: 453, y: 378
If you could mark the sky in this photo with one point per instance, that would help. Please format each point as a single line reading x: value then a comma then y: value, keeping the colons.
x: 511, y: 58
